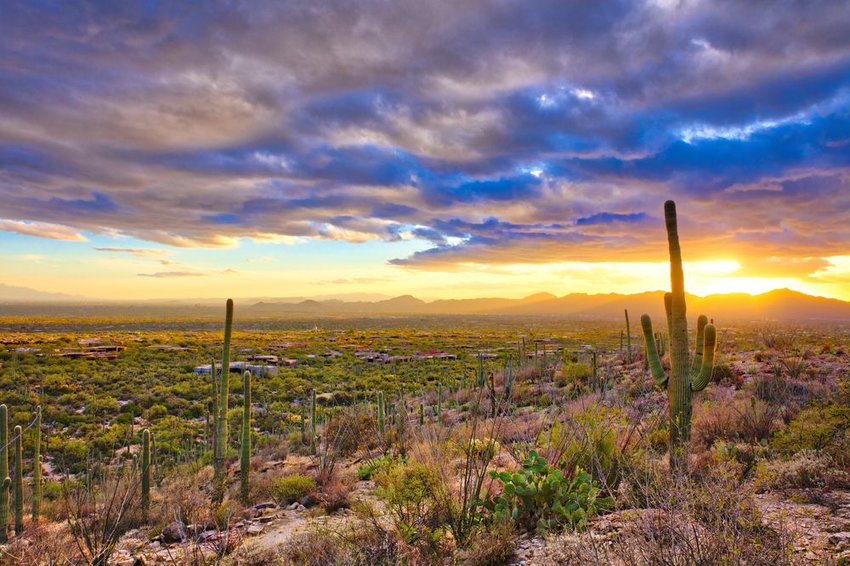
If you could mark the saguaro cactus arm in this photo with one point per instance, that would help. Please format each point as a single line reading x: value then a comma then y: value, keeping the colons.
x: 655, y: 365
x: 702, y: 376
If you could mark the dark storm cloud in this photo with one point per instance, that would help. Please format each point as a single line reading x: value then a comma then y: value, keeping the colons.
x: 496, y: 131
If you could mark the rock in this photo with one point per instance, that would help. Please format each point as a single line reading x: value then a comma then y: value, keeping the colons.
x: 300, y: 508
x: 254, y: 529
x: 292, y: 506
x: 172, y: 532
x: 309, y: 501
x: 207, y: 535
x: 265, y: 505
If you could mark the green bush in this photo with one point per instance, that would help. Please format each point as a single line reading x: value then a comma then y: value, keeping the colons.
x: 539, y: 497
x: 370, y: 468
x: 819, y: 427
x: 291, y: 488
x: 409, y: 491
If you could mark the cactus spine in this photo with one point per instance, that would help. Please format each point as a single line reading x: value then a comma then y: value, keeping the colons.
x: 684, y: 378
x: 19, y: 481
x: 220, y: 397
x: 313, y: 422
x: 4, y: 474
x: 36, y: 474
x: 146, y: 473
x: 245, y: 455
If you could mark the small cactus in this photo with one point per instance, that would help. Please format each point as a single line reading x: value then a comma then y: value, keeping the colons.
x: 245, y: 448
x: 685, y: 377
x: 146, y: 473
x: 440, y: 402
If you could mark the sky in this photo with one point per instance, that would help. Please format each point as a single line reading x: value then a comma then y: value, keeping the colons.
x: 443, y: 149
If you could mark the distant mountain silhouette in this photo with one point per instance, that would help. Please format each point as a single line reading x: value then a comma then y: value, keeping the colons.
x: 781, y: 304
x: 12, y: 294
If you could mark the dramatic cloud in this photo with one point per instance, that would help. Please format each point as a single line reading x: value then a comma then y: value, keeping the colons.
x: 495, y: 132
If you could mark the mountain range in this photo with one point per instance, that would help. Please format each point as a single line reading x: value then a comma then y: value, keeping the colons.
x: 782, y: 304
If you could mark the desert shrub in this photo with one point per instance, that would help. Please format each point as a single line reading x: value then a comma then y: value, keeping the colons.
x: 409, y: 491
x: 573, y: 373
x: 369, y: 468
x: 819, y: 427
x: 587, y: 440
x: 494, y: 545
x: 334, y: 494
x: 686, y: 520
x: 746, y: 419
x: 183, y: 497
x: 806, y: 469
x: 725, y: 375
x: 293, y: 487
x: 539, y: 497
x: 349, y: 430
x: 360, y: 543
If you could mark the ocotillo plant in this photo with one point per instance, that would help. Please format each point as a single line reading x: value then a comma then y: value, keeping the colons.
x: 146, y: 473
x: 684, y: 378
x: 221, y: 394
x: 36, y: 473
x: 245, y: 447
x: 628, y: 338
x: 421, y: 414
x: 313, y: 422
x: 4, y: 473
x: 19, y: 481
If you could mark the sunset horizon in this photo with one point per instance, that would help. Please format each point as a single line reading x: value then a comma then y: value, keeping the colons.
x: 156, y: 152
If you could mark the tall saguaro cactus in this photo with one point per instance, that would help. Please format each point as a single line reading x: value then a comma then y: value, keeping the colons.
x: 685, y: 377
x: 19, y: 480
x: 313, y: 422
x: 221, y: 393
x: 4, y: 474
x: 146, y: 473
x: 36, y: 473
x: 245, y: 445
x: 380, y: 409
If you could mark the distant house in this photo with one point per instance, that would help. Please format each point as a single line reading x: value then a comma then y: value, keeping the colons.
x: 265, y: 358
x: 239, y: 367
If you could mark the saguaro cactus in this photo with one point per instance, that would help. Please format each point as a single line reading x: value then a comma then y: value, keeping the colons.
x: 19, y: 481
x: 245, y: 447
x: 36, y: 473
x: 146, y: 473
x: 380, y: 409
x: 684, y: 377
x: 221, y: 393
x: 313, y: 422
x: 4, y: 474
